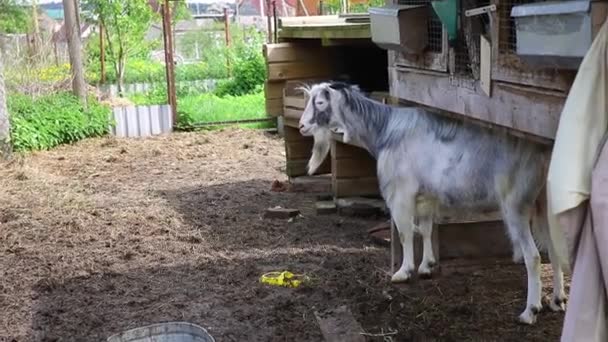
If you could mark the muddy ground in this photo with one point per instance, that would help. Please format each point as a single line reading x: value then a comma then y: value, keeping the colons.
x: 108, y: 235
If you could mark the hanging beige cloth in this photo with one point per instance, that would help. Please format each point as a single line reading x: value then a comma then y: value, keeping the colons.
x: 577, y: 186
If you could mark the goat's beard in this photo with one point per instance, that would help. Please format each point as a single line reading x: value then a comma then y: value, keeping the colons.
x: 320, y: 150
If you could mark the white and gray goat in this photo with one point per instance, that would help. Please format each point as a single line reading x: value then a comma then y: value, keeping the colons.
x: 426, y: 162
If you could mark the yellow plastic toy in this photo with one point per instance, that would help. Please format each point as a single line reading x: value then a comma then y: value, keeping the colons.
x: 284, y: 278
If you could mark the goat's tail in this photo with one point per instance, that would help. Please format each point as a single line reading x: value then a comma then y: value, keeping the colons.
x: 320, y: 149
x: 541, y: 230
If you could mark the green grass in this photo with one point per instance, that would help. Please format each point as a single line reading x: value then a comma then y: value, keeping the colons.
x: 208, y: 107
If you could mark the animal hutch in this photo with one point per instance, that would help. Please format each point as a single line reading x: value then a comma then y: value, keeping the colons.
x: 505, y: 64
x: 317, y: 48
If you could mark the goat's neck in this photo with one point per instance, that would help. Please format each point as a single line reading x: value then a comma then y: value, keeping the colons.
x: 368, y: 130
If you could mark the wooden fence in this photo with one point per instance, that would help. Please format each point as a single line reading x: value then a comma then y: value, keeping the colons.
x: 134, y: 88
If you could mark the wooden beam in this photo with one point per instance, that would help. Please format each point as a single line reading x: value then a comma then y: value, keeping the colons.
x: 354, y: 167
x: 351, y: 187
x: 273, y: 90
x: 292, y: 113
x: 295, y: 70
x: 274, y: 107
x: 298, y: 102
x: 292, y: 52
x: 529, y: 111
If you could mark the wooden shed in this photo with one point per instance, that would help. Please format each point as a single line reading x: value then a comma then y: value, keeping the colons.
x: 318, y: 48
x: 508, y: 63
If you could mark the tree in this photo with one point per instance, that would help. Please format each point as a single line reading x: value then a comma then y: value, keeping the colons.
x: 72, y: 31
x: 14, y: 18
x: 125, y: 23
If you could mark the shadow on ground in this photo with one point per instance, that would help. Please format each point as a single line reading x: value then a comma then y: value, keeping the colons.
x: 212, y: 280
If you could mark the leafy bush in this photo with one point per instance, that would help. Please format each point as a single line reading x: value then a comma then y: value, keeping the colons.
x: 249, y: 75
x: 14, y: 18
x: 54, y: 119
x: 249, y: 68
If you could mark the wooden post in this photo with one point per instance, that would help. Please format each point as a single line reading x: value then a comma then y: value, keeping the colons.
x: 274, y: 15
x: 169, y: 66
x: 5, y: 125
x: 75, y: 50
x: 227, y: 26
x: 236, y: 12
x: 269, y: 19
x: 36, y: 40
x: 102, y: 53
x: 227, y: 35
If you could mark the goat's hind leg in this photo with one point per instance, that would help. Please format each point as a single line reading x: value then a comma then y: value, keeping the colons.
x: 541, y: 231
x: 521, y: 236
x: 425, y: 228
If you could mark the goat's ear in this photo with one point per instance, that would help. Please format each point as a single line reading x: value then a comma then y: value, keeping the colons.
x: 304, y: 89
x: 339, y: 85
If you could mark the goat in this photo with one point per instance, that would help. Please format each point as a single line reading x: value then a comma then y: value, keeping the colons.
x: 427, y: 163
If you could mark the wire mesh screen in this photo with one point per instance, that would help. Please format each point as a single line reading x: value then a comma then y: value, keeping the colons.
x: 467, y: 48
x: 435, y: 28
x: 507, y: 37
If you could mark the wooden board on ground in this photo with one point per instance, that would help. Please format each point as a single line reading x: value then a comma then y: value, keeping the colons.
x: 339, y: 325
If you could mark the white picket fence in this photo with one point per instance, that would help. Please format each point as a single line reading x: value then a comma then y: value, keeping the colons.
x: 134, y: 88
x: 142, y: 121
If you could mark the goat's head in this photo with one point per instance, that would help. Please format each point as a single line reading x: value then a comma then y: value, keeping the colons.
x: 321, y: 116
x: 324, y: 108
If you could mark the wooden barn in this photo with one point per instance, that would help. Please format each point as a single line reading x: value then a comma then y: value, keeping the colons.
x: 505, y: 64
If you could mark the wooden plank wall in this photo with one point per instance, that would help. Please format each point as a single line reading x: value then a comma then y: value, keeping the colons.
x: 298, y: 151
x: 353, y: 171
x: 291, y: 61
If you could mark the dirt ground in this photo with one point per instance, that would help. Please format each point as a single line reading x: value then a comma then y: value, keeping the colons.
x: 109, y: 234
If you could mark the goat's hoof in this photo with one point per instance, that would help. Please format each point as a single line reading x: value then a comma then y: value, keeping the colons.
x: 401, y: 276
x: 558, y: 303
x: 518, y: 258
x: 425, y: 271
x: 529, y: 315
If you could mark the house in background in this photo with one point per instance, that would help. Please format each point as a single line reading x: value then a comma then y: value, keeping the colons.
x: 53, y: 9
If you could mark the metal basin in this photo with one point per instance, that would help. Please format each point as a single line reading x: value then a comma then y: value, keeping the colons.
x: 164, y: 332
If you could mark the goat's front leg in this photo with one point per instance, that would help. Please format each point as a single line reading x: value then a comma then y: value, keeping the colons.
x: 402, y: 210
x: 425, y: 228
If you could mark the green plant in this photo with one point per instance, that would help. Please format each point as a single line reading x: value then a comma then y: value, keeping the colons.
x: 54, y: 119
x: 194, y: 107
x: 125, y: 23
x: 249, y: 68
x: 14, y: 18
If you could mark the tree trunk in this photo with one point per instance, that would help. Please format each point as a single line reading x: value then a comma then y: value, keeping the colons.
x: 75, y: 50
x: 5, y: 125
x: 121, y: 74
